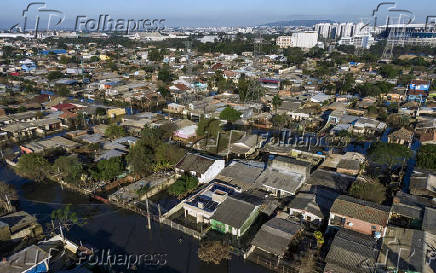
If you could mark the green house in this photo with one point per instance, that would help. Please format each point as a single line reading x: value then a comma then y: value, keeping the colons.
x: 234, y: 216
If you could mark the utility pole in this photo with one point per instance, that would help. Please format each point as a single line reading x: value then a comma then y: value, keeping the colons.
x: 148, y: 213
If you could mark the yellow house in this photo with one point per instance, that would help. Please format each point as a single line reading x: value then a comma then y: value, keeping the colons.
x: 114, y: 112
x: 104, y: 57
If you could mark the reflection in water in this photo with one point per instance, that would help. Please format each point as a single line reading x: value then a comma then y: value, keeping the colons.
x: 122, y: 232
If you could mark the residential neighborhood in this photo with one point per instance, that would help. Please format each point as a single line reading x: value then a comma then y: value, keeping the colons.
x: 279, y: 149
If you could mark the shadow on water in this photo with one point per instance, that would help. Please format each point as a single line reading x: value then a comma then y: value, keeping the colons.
x: 122, y: 232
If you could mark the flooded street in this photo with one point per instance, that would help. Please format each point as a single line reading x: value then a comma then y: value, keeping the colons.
x: 121, y: 232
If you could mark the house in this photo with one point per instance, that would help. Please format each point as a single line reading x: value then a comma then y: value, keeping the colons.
x: 115, y: 112
x: 332, y: 180
x: 234, y: 216
x: 19, y: 225
x: 29, y: 260
x: 365, y: 126
x: 310, y: 207
x: 200, y: 166
x: 175, y: 108
x: 64, y: 107
x: 275, y: 236
x: 423, y: 184
x: 358, y: 215
x: 186, y: 130
x: 348, y: 167
x: 352, y: 252
x: 203, y: 205
x: 280, y: 183
x: 407, y: 250
x: 402, y: 136
x: 429, y: 221
x: 288, y: 164
x: 246, y: 146
x: 242, y: 173
x: 56, y: 142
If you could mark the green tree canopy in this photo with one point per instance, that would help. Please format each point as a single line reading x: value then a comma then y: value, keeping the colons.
x: 114, y: 131
x: 427, y: 157
x: 33, y: 166
x: 230, y: 114
x: 69, y: 168
x: 108, y: 169
x: 389, y: 154
x: 183, y: 186
x: 276, y: 102
x: 374, y: 192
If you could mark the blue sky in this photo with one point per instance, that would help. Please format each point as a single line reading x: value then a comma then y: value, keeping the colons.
x: 212, y: 13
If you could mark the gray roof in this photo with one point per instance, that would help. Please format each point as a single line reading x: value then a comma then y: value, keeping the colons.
x: 242, y: 174
x: 276, y: 235
x: 233, y: 212
x: 363, y: 210
x: 409, y: 211
x: 18, y: 220
x: 351, y: 252
x: 349, y: 164
x: 408, y: 249
x: 24, y: 260
x: 196, y: 163
x: 311, y: 203
x: 332, y: 180
x: 429, y: 222
x: 284, y: 181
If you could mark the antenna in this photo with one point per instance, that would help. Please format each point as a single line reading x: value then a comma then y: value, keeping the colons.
x: 188, y: 52
x: 396, y: 37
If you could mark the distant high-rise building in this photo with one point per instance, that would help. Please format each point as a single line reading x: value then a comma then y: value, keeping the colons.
x: 298, y: 39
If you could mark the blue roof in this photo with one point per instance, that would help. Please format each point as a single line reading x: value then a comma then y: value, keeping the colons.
x: 54, y: 51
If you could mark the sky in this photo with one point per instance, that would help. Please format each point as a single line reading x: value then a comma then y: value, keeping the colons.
x: 215, y: 13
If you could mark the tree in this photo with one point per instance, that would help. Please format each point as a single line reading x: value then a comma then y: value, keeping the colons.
x: 114, y: 131
x: 397, y: 121
x: 7, y: 194
x: 108, y: 169
x: 276, y: 102
x: 140, y: 158
x: 53, y: 75
x: 64, y: 218
x: 69, y: 168
x: 388, y: 71
x: 183, y: 186
x: 33, y: 166
x: 279, y: 121
x: 165, y: 74
x: 169, y: 153
x: 208, y: 127
x: 389, y: 154
x: 164, y: 91
x: 230, y: 114
x: 214, y: 252
x: 100, y: 111
x: 369, y: 191
x: 426, y: 157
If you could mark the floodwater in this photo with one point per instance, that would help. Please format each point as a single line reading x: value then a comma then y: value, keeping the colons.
x: 122, y: 232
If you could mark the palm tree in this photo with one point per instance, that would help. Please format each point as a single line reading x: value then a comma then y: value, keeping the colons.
x: 276, y: 102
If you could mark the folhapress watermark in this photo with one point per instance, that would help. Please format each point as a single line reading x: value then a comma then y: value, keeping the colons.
x: 105, y: 22
x: 107, y: 257
x: 38, y: 17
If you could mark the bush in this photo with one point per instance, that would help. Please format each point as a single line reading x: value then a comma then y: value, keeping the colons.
x: 374, y: 192
x: 214, y: 252
x: 427, y: 157
x: 183, y: 186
